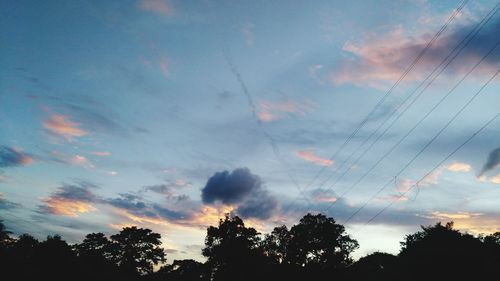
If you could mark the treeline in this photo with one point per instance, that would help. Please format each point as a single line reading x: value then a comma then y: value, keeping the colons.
x: 317, y: 248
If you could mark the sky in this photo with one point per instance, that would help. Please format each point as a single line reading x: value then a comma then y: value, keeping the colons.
x: 168, y: 114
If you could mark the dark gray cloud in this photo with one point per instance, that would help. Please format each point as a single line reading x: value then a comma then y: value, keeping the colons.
x: 11, y: 157
x: 136, y: 205
x: 127, y: 201
x: 243, y: 189
x: 492, y: 162
x: 230, y: 187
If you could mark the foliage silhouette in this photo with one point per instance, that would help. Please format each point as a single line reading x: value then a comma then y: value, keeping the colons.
x: 137, y: 249
x: 317, y: 248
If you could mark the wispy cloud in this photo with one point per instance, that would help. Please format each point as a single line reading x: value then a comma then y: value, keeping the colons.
x: 271, y: 111
x: 248, y: 34
x: 62, y: 126
x: 75, y: 160
x: 310, y: 156
x: 474, y: 222
x: 101, y: 153
x: 6, y: 204
x: 164, y: 66
x: 492, y: 162
x: 459, y: 167
x: 161, y: 7
x: 379, y: 60
x: 12, y: 157
x: 70, y: 200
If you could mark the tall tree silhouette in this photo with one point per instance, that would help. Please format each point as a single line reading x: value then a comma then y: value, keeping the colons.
x: 5, y: 239
x: 137, y: 250
x: 443, y: 252
x: 232, y: 249
x: 95, y: 245
x: 275, y: 244
x: 183, y: 270
x: 319, y: 240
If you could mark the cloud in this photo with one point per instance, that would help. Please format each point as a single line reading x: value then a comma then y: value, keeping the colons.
x: 79, y: 160
x: 62, y: 126
x: 492, y: 162
x: 70, y: 200
x: 127, y: 201
x: 101, y: 153
x: 272, y: 111
x: 310, y: 156
x: 13, y: 157
x: 495, y: 179
x: 321, y: 195
x: 313, y: 72
x: 164, y: 66
x: 459, y: 167
x: 6, y: 204
x: 170, y: 190
x: 380, y: 60
x: 247, y: 31
x: 76, y: 160
x: 160, y: 7
x: 473, y: 222
x: 242, y: 189
x: 134, y: 206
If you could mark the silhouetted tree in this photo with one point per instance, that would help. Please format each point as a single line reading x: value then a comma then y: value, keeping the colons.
x: 95, y: 245
x: 375, y: 266
x: 318, y: 240
x: 5, y: 239
x: 183, y: 270
x: 275, y: 244
x: 443, y: 252
x: 137, y: 249
x: 232, y: 250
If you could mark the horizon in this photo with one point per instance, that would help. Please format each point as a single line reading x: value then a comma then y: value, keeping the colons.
x: 169, y: 114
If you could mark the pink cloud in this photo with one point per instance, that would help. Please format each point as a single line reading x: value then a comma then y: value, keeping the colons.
x: 310, y: 156
x: 76, y: 160
x: 272, y: 111
x: 164, y: 67
x: 160, y: 7
x: 62, y: 126
x: 380, y: 59
x: 247, y: 31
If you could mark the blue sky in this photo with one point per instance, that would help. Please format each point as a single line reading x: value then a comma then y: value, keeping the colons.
x: 167, y: 114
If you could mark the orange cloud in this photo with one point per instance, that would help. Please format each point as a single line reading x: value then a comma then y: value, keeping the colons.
x: 310, y: 156
x: 495, y: 179
x: 475, y: 223
x: 61, y: 125
x: 459, y: 167
x: 160, y: 7
x: 67, y: 207
x: 272, y: 111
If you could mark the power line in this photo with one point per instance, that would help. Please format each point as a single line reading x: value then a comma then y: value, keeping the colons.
x: 446, y: 62
x: 383, y: 98
x: 435, y: 167
x: 251, y: 104
x: 426, y: 145
x: 418, y: 123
